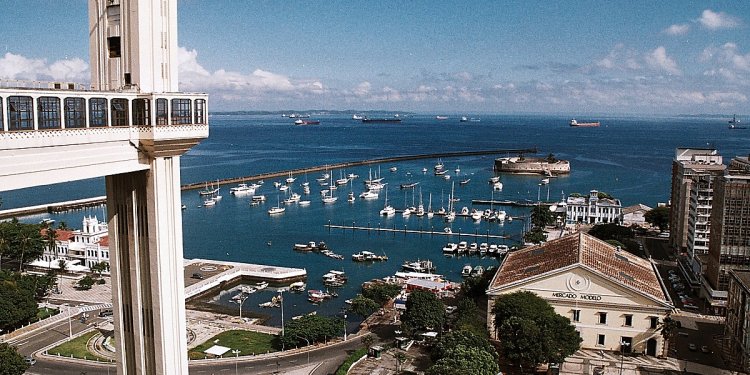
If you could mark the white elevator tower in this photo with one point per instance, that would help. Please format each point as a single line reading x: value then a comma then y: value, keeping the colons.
x: 131, y: 127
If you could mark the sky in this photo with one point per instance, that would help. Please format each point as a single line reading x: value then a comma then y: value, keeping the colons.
x: 435, y: 56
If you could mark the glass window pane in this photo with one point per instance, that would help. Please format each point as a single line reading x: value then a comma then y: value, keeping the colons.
x: 75, y: 113
x: 120, y: 112
x: 20, y: 113
x: 181, y: 113
x: 161, y: 112
x: 48, y: 108
x: 98, y: 112
x: 141, y: 112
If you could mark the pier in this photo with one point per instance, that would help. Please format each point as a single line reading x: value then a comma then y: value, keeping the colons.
x: 405, y: 231
x: 506, y: 202
x: 271, y: 175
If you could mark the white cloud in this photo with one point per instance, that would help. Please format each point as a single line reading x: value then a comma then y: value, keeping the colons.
x: 680, y: 29
x: 658, y: 59
x: 236, y: 86
x: 717, y: 20
x: 362, y: 89
x: 17, y: 67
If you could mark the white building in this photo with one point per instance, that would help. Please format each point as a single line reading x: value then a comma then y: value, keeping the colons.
x: 635, y: 215
x: 592, y: 209
x: 84, y: 247
x: 609, y: 295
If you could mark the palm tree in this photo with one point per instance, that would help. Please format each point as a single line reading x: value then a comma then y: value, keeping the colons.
x: 667, y: 327
x: 4, y: 245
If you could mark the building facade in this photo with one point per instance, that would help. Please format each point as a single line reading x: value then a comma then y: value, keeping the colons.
x: 615, y: 300
x: 729, y: 246
x: 737, y: 327
x: 635, y: 215
x: 592, y: 209
x: 85, y: 247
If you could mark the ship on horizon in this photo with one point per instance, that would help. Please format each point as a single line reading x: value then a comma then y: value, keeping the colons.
x: 575, y: 123
x: 734, y: 123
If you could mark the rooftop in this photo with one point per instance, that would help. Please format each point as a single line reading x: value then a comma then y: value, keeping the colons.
x: 586, y: 250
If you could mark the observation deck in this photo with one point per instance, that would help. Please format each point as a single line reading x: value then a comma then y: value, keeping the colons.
x: 65, y: 133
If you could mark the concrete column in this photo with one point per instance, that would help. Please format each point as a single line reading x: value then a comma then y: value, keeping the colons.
x: 145, y: 229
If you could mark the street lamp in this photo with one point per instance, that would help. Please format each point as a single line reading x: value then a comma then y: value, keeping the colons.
x: 243, y: 297
x: 236, y: 353
x: 538, y: 192
x: 70, y: 325
x: 308, y: 349
x: 623, y: 344
x: 344, y: 327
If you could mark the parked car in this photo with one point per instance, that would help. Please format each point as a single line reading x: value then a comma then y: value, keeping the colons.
x: 30, y: 361
x: 692, y: 347
x: 664, y: 234
x: 705, y: 349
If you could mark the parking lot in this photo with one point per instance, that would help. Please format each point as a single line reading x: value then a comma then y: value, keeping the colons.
x: 699, y: 337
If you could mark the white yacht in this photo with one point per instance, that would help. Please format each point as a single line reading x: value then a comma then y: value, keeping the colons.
x: 276, y: 210
x: 241, y: 189
x: 369, y: 194
x: 388, y: 210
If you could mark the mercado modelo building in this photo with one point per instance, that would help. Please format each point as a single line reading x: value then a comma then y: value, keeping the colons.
x: 614, y: 299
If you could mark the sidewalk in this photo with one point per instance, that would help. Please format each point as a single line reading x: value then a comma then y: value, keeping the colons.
x: 584, y: 361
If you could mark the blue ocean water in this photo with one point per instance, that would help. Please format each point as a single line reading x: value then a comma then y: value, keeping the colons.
x: 627, y: 157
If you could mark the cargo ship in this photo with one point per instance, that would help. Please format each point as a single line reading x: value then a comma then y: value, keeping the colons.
x: 575, y: 123
x: 380, y: 120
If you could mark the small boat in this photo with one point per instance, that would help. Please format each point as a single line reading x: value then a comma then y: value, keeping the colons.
x: 439, y: 166
x: 283, y: 188
x: 441, y: 117
x: 351, y: 197
x: 466, y: 181
x: 241, y: 189
x: 352, y: 176
x: 421, y: 266
x: 290, y: 179
x: 258, y: 198
x: 409, y: 185
x: 545, y: 181
x: 462, y: 246
x: 466, y: 271
x: 209, y: 203
x: 463, y: 119
x: 368, y: 256
x: 298, y: 286
x: 477, y: 271
x: 393, y: 169
x: 269, y: 304
x: 497, y: 186
x: 184, y: 207
x: 494, y: 179
x: 388, y: 210
x: 440, y: 172
x: 458, y: 170
x: 304, y: 203
x: 369, y: 194
x: 450, y: 248
x: 424, y: 170
x: 209, y: 191
x: 357, y: 117
x: 261, y: 285
x: 446, y: 177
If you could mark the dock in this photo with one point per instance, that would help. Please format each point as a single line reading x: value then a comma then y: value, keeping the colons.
x: 406, y: 231
x: 53, y: 207
x: 202, y: 275
x: 506, y: 202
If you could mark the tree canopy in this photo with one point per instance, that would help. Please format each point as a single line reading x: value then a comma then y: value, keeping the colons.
x: 381, y: 292
x: 530, y: 332
x: 423, y: 311
x: 363, y: 306
x: 658, y: 217
x: 314, y: 328
x: 21, y: 243
x: 465, y: 360
x: 17, y: 304
x: 11, y: 363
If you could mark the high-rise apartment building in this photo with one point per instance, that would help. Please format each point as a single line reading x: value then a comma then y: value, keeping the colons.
x: 693, y: 173
x: 729, y: 246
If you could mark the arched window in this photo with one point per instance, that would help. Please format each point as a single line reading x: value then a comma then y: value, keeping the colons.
x: 161, y: 112
x: 98, y: 112
x: 181, y: 113
x: 20, y: 113
x: 200, y: 111
x: 141, y: 112
x: 120, y: 112
x: 48, y: 109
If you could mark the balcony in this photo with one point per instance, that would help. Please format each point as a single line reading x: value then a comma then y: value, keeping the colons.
x: 51, y: 136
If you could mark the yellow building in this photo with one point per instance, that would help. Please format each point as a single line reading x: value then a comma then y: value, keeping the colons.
x: 615, y: 300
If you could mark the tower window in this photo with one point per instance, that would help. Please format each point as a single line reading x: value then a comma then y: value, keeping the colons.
x: 113, y: 45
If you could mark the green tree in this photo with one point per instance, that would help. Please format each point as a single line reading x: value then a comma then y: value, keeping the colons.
x: 465, y: 360
x: 475, y: 286
x: 85, y: 283
x: 363, y: 306
x: 453, y: 339
x: 11, y: 363
x: 536, y: 235
x: 381, y: 292
x: 17, y: 304
x: 530, y: 332
x: 367, y: 341
x: 400, y: 358
x: 541, y: 216
x: 99, y: 268
x: 312, y: 328
x: 423, y: 310
x: 658, y: 217
x: 467, y: 318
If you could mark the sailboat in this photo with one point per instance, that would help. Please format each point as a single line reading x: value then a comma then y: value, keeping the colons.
x: 430, y: 213
x: 330, y: 199
x: 388, y: 210
x: 278, y: 209
x: 451, y: 214
x: 209, y: 191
